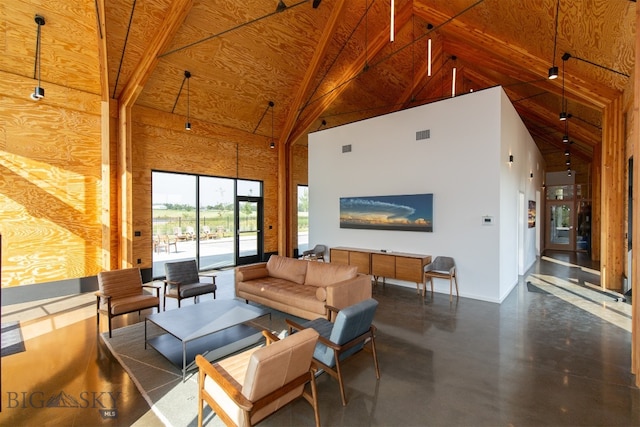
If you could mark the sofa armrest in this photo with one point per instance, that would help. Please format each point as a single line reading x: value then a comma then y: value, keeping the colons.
x: 251, y: 271
x: 349, y: 292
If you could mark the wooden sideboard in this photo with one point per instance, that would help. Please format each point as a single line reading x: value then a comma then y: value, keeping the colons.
x: 392, y: 265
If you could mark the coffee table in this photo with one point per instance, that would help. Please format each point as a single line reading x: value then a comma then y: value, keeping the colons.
x: 214, y: 329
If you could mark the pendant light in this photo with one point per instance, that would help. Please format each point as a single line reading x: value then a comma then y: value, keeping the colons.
x: 453, y: 79
x: 392, y: 28
x: 38, y: 92
x: 187, y: 125
x: 273, y: 143
x: 429, y: 27
x: 553, y: 71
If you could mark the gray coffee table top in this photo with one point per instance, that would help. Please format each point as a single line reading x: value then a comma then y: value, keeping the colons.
x: 205, y: 318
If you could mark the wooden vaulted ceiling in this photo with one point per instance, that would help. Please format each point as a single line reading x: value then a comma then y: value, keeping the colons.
x: 334, y: 64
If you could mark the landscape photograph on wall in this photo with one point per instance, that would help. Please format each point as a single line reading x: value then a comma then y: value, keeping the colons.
x: 413, y: 212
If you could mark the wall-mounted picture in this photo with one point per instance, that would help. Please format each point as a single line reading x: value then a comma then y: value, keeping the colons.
x: 532, y: 214
x: 413, y: 212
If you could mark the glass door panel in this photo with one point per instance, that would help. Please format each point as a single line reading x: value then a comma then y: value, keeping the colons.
x: 174, y: 218
x: 248, y: 229
x: 216, y: 223
x: 561, y: 230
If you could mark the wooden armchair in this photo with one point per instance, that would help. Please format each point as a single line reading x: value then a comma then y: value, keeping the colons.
x: 347, y: 335
x: 246, y: 388
x: 122, y: 292
x: 183, y: 281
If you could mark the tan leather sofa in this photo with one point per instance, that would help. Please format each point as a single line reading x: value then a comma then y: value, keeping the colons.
x: 301, y: 288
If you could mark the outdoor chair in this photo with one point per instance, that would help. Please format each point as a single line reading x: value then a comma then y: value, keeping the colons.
x: 121, y: 292
x: 183, y: 281
x: 342, y: 338
x: 246, y: 388
x: 442, y: 267
x: 317, y: 253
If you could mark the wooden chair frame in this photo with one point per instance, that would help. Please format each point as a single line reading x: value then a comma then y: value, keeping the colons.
x: 233, y: 389
x: 336, y: 373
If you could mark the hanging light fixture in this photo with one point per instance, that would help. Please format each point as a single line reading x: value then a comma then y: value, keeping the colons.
x: 187, y: 125
x: 563, y: 113
x: 273, y: 143
x: 38, y: 92
x: 553, y: 71
x: 453, y: 78
x: 429, y: 27
x: 392, y: 28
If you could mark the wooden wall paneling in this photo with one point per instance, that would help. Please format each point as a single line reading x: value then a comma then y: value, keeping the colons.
x: 635, y: 260
x: 50, y: 191
x: 612, y: 202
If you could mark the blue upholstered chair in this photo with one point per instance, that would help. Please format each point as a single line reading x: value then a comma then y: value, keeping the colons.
x: 183, y: 281
x: 347, y: 334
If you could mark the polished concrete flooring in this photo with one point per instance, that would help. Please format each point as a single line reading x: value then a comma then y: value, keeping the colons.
x: 556, y: 352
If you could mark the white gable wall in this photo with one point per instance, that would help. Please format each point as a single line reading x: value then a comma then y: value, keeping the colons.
x: 464, y: 164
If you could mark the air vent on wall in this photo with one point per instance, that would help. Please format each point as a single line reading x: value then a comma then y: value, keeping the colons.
x: 423, y: 134
x: 346, y: 148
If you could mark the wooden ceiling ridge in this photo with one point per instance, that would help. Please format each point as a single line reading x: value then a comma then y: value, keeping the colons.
x: 296, y: 106
x: 175, y: 16
x: 321, y: 103
x: 585, y: 91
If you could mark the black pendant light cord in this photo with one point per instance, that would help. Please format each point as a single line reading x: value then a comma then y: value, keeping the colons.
x: 37, y: 67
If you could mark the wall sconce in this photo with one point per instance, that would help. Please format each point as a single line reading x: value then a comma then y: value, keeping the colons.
x: 38, y: 92
x: 510, y: 158
x: 531, y: 175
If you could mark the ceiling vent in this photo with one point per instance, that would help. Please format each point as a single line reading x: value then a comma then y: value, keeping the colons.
x: 423, y: 134
x: 346, y: 148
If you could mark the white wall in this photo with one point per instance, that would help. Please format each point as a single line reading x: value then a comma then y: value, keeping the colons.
x: 464, y: 164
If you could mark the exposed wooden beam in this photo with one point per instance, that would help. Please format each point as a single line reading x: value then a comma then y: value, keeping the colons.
x: 174, y: 18
x: 311, y: 71
x: 507, y: 56
x: 318, y: 106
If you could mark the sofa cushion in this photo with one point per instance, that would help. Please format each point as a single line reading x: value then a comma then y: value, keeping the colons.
x: 325, y: 274
x: 321, y: 293
x: 251, y: 273
x: 287, y: 268
x: 285, y: 292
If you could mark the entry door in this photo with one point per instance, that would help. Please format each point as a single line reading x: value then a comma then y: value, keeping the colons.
x: 249, y: 236
x: 560, y: 226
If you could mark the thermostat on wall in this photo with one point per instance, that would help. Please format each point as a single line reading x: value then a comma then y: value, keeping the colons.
x: 487, y: 220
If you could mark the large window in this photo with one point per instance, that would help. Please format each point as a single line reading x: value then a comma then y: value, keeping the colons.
x: 303, y: 218
x: 194, y: 217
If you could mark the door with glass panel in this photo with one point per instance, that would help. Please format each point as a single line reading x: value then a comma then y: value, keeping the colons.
x: 249, y: 230
x: 249, y: 236
x: 560, y: 225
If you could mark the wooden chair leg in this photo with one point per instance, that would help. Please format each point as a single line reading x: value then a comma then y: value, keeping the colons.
x: 164, y: 302
x: 456, y: 280
x: 340, y: 382
x: 375, y: 356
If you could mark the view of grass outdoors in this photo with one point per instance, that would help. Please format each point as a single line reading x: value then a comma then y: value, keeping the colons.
x: 177, y: 235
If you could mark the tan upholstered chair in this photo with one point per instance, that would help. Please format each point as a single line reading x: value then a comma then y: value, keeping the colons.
x: 340, y: 339
x: 442, y: 267
x: 246, y: 388
x: 121, y: 292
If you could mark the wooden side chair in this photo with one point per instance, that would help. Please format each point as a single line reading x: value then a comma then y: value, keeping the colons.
x: 442, y: 267
x: 248, y: 387
x: 121, y: 292
x: 183, y: 281
x: 342, y: 338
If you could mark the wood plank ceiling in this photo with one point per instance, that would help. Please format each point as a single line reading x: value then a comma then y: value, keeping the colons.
x: 334, y: 64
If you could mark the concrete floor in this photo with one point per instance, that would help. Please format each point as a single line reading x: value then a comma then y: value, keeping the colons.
x: 555, y: 352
